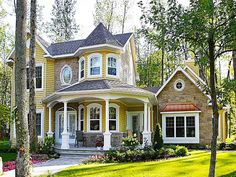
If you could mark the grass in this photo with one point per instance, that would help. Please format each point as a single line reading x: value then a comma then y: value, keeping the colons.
x: 4, y: 148
x: 195, y: 165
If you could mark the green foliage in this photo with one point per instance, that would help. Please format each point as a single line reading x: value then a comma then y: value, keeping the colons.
x: 130, y: 142
x: 4, y: 115
x: 48, y: 146
x: 158, y: 141
x: 181, y: 151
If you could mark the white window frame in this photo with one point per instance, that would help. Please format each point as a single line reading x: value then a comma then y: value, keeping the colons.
x: 117, y: 65
x: 92, y: 105
x: 89, y: 62
x: 79, y: 123
x: 61, y: 77
x: 37, y: 89
x: 184, y: 140
x: 183, y: 85
x: 80, y: 61
x: 117, y: 107
x: 41, y: 111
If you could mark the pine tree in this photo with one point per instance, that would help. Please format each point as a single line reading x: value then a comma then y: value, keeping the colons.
x: 63, y: 26
x: 158, y: 141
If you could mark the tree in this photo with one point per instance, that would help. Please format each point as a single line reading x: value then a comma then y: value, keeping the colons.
x: 23, y: 165
x: 209, y: 27
x: 63, y: 26
x: 158, y: 140
x: 126, y: 6
x: 32, y: 105
x: 106, y: 13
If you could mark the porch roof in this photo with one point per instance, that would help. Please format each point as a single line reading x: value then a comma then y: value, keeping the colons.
x: 180, y: 107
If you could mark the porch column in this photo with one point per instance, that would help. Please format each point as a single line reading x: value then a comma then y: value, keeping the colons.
x: 146, y: 130
x: 65, y: 134
x: 107, y: 134
x: 50, y: 133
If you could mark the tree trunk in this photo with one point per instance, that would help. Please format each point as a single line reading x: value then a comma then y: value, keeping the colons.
x: 234, y: 68
x: 23, y: 164
x: 162, y: 64
x: 211, y: 46
x: 32, y: 106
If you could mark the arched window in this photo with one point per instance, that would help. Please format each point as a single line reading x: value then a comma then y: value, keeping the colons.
x: 94, y: 117
x: 112, y: 65
x: 113, y: 117
x: 81, y: 68
x: 66, y: 75
x: 95, y: 65
x: 81, y: 117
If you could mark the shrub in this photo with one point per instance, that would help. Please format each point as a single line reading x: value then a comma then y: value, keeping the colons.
x: 48, y: 146
x: 181, y: 151
x: 166, y: 152
x: 130, y: 142
x: 158, y: 141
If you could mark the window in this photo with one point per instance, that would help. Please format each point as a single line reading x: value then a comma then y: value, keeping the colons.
x: 81, y: 68
x: 169, y: 126
x: 81, y: 118
x: 66, y: 75
x: 179, y: 85
x: 38, y: 124
x: 95, y: 65
x: 94, y: 117
x: 38, y: 77
x: 112, y: 66
x: 190, y: 128
x: 180, y: 128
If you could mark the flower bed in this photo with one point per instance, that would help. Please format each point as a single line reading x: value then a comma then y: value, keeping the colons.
x: 11, y: 165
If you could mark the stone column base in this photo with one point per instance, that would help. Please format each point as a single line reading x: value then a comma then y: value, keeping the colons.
x: 65, y: 140
x: 107, y: 141
x: 147, y: 138
x: 50, y: 134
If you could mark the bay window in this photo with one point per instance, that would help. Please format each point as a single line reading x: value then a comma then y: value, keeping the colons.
x: 94, y: 117
x: 112, y: 65
x: 95, y: 65
x: 81, y: 68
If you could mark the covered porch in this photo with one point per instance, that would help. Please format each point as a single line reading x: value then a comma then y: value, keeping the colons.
x: 106, y: 117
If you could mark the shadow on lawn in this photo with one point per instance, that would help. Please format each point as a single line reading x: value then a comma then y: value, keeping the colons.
x: 233, y: 174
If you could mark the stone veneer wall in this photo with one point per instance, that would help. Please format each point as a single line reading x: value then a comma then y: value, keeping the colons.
x: 59, y: 64
x: 191, y: 93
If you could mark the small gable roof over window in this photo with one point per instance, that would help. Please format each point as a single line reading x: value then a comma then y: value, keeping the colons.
x: 180, y: 107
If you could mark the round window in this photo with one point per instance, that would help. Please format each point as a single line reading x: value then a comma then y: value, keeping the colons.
x: 66, y: 75
x: 179, y: 85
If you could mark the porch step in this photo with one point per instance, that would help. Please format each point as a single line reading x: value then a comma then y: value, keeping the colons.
x: 79, y: 151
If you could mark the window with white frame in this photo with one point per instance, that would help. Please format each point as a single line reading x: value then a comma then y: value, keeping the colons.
x: 180, y: 127
x: 81, y: 68
x: 94, y: 117
x: 38, y: 77
x: 95, y: 65
x: 66, y: 75
x: 81, y: 118
x: 111, y: 65
x: 39, y: 123
x: 113, y: 117
x: 179, y: 85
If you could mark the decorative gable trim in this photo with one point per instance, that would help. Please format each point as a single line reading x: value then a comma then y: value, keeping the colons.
x: 187, y: 75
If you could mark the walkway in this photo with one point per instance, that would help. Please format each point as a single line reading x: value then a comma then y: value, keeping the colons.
x: 52, y: 166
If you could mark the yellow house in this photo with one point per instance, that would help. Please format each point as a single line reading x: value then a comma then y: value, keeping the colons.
x: 89, y: 86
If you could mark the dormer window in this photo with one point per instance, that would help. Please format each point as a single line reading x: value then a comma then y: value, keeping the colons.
x: 66, y: 75
x: 95, y: 65
x: 81, y: 68
x: 112, y: 69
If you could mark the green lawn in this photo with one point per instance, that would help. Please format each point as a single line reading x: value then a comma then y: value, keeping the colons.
x: 195, y: 165
x: 4, y: 147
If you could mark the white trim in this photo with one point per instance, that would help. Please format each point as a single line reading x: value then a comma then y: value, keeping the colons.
x: 37, y: 89
x: 186, y: 74
x: 80, y: 61
x: 117, y: 65
x: 92, y: 105
x: 79, y: 113
x: 184, y: 140
x: 183, y: 85
x: 200, y: 79
x: 41, y: 111
x: 62, y: 78
x: 129, y: 115
x: 117, y: 107
x: 89, y: 61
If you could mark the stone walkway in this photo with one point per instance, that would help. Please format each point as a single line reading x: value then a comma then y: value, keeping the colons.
x: 52, y: 166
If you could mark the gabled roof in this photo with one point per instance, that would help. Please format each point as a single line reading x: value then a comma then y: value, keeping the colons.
x: 187, y: 75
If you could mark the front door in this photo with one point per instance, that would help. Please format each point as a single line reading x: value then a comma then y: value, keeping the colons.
x: 135, y: 123
x: 71, y: 124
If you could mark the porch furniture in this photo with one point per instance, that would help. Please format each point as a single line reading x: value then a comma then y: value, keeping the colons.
x: 79, y: 138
